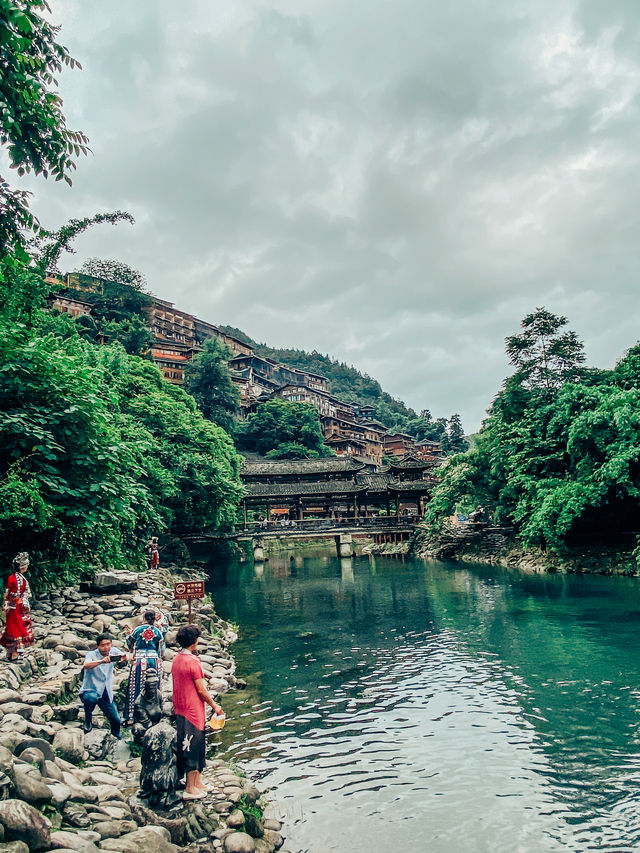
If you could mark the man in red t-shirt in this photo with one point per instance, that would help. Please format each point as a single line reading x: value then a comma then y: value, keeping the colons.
x: 189, y: 697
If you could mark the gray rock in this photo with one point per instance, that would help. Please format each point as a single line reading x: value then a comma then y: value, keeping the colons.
x: 30, y: 785
x: 235, y: 819
x: 153, y: 838
x: 24, y: 823
x: 14, y: 847
x: 60, y: 793
x: 75, y: 814
x: 52, y: 771
x: 274, y: 838
x: 72, y: 841
x: 7, y: 695
x: 114, y: 581
x: 20, y: 708
x: 37, y: 743
x: 272, y: 824
x: 33, y: 756
x: 114, y: 828
x: 14, y: 723
x: 69, y: 744
x: 6, y: 761
x: 239, y: 842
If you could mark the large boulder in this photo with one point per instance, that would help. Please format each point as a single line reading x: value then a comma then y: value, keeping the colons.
x: 36, y: 743
x: 24, y: 823
x: 30, y: 786
x: 69, y: 744
x: 239, y: 842
x: 146, y: 838
x: 114, y: 581
x: 71, y: 841
x: 14, y: 847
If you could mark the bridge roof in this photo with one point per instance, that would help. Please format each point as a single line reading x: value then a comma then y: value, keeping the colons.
x: 281, y: 490
x: 286, y: 467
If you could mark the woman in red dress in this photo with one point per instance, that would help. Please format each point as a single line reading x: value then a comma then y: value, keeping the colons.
x: 17, y: 629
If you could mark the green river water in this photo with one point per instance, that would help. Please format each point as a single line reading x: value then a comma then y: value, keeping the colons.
x: 428, y: 706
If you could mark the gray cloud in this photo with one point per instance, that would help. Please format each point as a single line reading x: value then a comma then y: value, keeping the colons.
x: 396, y: 185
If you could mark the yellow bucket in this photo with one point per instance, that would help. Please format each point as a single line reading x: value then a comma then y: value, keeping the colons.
x: 217, y: 722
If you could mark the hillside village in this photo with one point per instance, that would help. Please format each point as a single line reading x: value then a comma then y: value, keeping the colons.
x: 349, y: 429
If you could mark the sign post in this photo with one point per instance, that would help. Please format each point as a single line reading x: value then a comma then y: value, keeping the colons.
x: 187, y: 591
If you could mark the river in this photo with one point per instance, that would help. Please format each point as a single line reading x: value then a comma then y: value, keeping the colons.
x: 401, y: 704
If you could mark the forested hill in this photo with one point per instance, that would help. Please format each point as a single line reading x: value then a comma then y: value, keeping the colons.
x: 351, y: 385
x: 344, y: 381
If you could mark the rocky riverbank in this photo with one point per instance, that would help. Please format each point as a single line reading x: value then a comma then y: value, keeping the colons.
x: 63, y: 789
x: 487, y: 545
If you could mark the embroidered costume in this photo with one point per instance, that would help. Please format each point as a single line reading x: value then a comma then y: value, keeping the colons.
x: 17, y: 630
x: 146, y: 644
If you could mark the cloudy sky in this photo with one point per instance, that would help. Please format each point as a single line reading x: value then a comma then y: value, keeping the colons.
x: 394, y: 183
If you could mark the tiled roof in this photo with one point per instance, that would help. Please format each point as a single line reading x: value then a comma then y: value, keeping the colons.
x: 410, y: 463
x: 282, y: 467
x: 374, y: 482
x: 409, y: 485
x: 276, y: 490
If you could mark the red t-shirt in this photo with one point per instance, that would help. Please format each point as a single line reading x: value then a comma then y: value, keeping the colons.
x: 186, y: 700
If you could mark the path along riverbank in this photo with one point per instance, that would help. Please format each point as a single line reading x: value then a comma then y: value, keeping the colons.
x: 63, y: 789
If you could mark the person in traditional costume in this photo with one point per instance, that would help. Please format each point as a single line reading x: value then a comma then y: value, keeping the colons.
x: 153, y: 552
x: 145, y: 642
x: 17, y: 630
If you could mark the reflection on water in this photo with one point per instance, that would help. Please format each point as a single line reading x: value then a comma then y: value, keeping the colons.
x: 398, y: 704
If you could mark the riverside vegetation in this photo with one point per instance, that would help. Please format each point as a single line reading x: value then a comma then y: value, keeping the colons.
x: 557, y: 461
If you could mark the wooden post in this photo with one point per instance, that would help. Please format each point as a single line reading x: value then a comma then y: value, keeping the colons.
x: 355, y: 507
x: 189, y: 617
x: 244, y: 504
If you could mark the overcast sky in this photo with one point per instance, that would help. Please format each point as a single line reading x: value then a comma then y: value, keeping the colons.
x: 393, y: 183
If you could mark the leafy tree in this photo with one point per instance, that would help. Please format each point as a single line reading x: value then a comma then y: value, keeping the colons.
x: 544, y: 356
x: 112, y: 270
x: 33, y: 128
x: 456, y: 442
x: 562, y: 467
x: 279, y: 424
x: 133, y: 333
x: 208, y: 380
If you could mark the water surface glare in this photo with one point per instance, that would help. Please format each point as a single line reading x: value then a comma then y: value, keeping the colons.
x: 403, y: 704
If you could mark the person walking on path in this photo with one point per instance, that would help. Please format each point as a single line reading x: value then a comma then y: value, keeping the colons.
x: 97, y: 684
x: 153, y: 553
x: 145, y: 642
x: 189, y: 697
x: 17, y: 595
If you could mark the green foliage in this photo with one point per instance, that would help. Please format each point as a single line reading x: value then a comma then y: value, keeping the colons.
x: 559, y: 455
x: 543, y: 356
x: 290, y: 429
x: 114, y: 271
x: 97, y: 450
x: 48, y: 246
x: 208, y: 380
x: 33, y: 128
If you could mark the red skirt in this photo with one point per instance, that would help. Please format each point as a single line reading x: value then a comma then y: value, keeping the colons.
x: 17, y: 629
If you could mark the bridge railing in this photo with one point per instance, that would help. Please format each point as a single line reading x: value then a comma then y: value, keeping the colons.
x: 307, y: 525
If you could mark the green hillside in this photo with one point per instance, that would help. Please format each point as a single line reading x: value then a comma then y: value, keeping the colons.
x: 351, y: 385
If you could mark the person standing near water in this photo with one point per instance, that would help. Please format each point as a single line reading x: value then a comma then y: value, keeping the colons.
x: 189, y: 697
x: 17, y: 629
